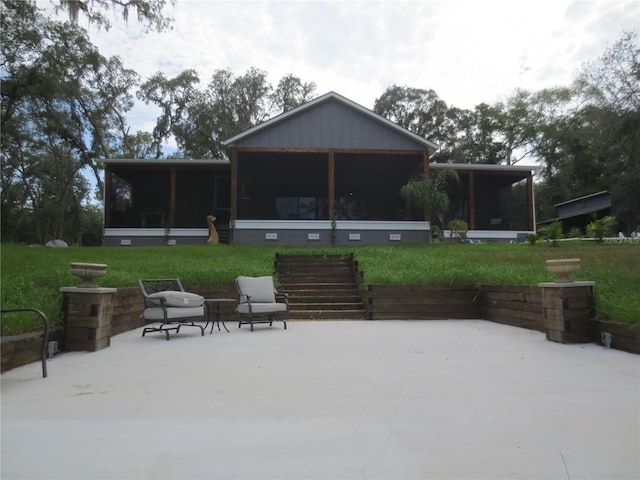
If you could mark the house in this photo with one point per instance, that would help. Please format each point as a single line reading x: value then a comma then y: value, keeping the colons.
x: 579, y: 212
x: 328, y: 172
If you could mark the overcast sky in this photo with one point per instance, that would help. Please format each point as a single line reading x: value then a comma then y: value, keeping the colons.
x: 468, y: 52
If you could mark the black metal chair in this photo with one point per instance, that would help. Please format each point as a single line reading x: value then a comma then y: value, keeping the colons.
x: 166, y: 302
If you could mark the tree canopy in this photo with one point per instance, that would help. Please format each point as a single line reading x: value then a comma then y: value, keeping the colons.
x: 150, y: 13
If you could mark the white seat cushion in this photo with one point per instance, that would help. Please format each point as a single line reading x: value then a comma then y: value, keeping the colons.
x: 259, y: 289
x: 179, y: 299
x: 262, y: 307
x: 173, y: 313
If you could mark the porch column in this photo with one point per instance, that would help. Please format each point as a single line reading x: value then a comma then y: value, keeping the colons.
x: 530, y: 206
x: 425, y: 164
x: 172, y: 200
x: 332, y: 184
x: 472, y: 203
x: 108, y: 185
x: 233, y: 158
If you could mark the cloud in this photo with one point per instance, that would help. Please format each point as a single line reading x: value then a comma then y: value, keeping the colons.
x: 467, y: 51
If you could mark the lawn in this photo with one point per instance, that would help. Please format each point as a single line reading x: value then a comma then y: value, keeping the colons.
x: 32, y: 276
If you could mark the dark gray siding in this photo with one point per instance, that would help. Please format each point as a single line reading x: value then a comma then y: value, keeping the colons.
x: 584, y: 205
x: 331, y: 125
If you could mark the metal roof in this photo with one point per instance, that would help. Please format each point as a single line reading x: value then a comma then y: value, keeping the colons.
x: 586, y: 197
x: 484, y: 166
x: 432, y: 147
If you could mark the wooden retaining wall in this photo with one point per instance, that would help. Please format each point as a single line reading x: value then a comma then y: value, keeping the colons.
x: 127, y: 310
x: 623, y: 336
x: 517, y: 305
x: 422, y: 302
x: 18, y: 350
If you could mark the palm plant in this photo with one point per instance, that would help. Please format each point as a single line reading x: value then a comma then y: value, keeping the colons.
x: 429, y: 194
x: 552, y: 232
x: 599, y: 229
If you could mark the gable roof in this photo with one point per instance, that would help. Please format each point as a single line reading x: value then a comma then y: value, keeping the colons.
x: 376, y: 126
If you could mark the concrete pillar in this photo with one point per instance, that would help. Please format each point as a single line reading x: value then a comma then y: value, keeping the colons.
x: 87, y: 313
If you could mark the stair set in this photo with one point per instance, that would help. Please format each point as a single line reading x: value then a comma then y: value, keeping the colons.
x: 320, y: 287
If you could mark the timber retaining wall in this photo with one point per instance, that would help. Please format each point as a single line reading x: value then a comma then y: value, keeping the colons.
x: 516, y: 305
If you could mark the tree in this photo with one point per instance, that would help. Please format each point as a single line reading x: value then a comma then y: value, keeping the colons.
x: 479, y: 141
x: 63, y: 107
x: 420, y: 111
x: 173, y: 97
x: 200, y: 120
x: 227, y: 106
x: 150, y: 13
x: 610, y: 86
x: 140, y: 145
x: 291, y: 92
x: 588, y: 137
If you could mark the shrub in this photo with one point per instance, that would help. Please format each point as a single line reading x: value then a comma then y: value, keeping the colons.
x: 459, y: 229
x: 532, y: 238
x: 553, y: 232
x: 436, y: 233
x: 574, y: 233
x: 599, y: 229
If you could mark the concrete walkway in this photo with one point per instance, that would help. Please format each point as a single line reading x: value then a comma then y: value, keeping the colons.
x: 328, y: 400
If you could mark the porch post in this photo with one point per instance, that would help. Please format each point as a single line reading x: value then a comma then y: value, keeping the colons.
x: 530, y: 206
x: 425, y: 164
x: 233, y: 158
x: 332, y: 184
x: 472, y: 202
x: 108, y: 185
x: 172, y: 201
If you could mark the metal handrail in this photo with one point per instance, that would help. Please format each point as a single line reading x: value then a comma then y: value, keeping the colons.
x: 45, y: 338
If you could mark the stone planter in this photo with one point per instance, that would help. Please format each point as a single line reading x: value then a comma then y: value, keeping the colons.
x: 563, y: 267
x: 88, y: 272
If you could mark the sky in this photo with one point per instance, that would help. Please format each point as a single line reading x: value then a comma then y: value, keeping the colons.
x: 468, y: 52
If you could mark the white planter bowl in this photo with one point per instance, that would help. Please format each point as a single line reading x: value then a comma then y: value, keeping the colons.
x: 88, y: 272
x: 562, y: 267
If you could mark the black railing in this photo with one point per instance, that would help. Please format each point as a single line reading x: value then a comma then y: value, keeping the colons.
x: 45, y: 336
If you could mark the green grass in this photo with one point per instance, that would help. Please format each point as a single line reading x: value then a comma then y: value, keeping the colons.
x: 32, y: 276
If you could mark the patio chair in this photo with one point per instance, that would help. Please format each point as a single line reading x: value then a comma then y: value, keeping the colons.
x: 258, y: 301
x: 166, y: 302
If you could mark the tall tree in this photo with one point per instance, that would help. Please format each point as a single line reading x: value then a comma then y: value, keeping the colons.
x: 611, y: 88
x: 479, y: 140
x: 291, y: 92
x: 150, y: 13
x: 173, y: 97
x: 200, y: 120
x: 420, y: 111
x: 63, y: 107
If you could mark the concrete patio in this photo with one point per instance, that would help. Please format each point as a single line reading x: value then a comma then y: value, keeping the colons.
x: 457, y: 399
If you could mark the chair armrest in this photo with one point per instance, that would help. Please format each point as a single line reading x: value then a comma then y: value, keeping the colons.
x: 285, y: 296
x: 157, y: 302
